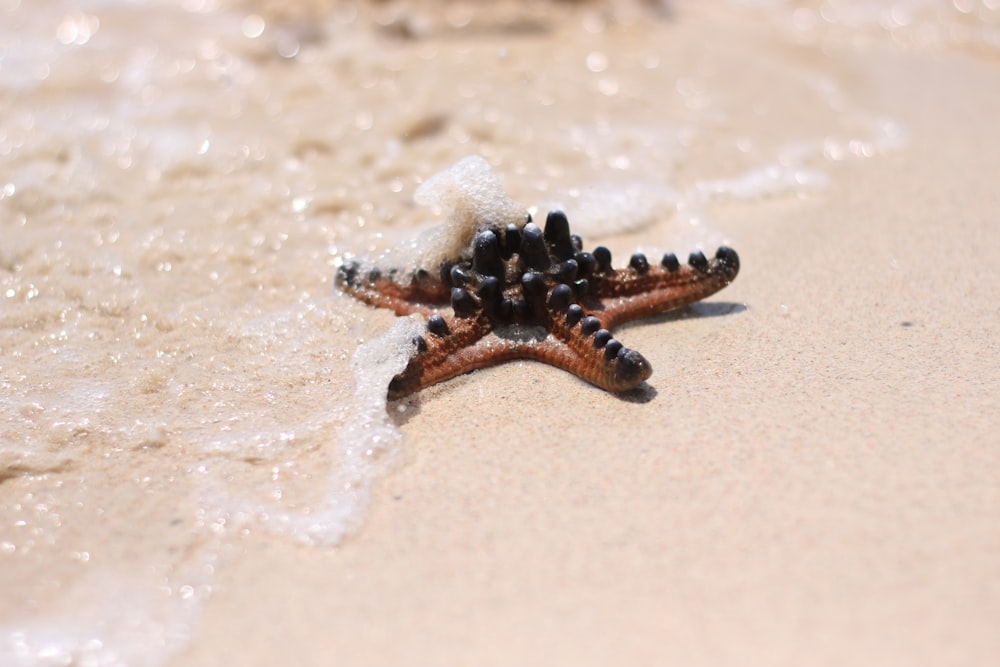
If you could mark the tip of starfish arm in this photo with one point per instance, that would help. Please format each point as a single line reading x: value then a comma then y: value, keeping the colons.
x: 630, y: 369
x: 347, y: 273
x: 728, y: 258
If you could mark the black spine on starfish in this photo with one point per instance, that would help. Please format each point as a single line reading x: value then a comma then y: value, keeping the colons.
x: 527, y: 276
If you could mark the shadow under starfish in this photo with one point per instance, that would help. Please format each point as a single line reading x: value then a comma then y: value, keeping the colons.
x: 543, y: 298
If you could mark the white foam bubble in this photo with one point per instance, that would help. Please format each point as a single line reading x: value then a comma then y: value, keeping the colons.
x: 618, y: 207
x: 127, y: 623
x: 473, y: 199
x: 760, y: 182
x: 366, y: 445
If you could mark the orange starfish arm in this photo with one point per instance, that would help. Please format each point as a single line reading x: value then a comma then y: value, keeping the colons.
x: 450, y: 348
x: 641, y: 290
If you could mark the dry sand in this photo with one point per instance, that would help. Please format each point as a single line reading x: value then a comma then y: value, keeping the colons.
x: 812, y: 478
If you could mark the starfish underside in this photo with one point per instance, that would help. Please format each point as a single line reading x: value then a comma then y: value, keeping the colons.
x: 542, y: 297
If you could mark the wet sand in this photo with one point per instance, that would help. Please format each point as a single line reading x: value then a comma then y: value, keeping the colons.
x: 811, y: 477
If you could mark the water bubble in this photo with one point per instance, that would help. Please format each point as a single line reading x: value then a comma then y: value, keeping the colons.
x: 597, y: 61
x: 253, y: 26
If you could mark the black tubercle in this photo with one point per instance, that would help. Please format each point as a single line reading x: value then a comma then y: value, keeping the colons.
x: 557, y: 236
x: 490, y: 292
x: 601, y: 338
x: 533, y: 253
x: 533, y: 288
x: 437, y: 326
x: 639, y: 262
x: 603, y: 258
x: 348, y: 272
x: 533, y: 283
x: 561, y: 298
x: 728, y: 257
x: 420, y: 343
x: 611, y: 349
x: 590, y: 325
x: 573, y: 314
x: 697, y: 260
x: 632, y: 365
x: 486, y: 258
x: 670, y: 262
x: 463, y: 303
x: 459, y: 277
x: 586, y: 263
x: 422, y: 278
x: 567, y: 271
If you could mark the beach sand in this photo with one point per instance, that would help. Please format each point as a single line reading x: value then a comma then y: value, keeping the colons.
x: 812, y: 475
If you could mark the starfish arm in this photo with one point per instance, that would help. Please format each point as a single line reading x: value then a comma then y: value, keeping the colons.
x: 621, y: 370
x: 585, y: 349
x: 580, y: 356
x: 630, y: 293
x: 422, y: 294
x: 451, y: 347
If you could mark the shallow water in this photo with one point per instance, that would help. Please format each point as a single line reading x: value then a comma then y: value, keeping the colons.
x: 179, y: 180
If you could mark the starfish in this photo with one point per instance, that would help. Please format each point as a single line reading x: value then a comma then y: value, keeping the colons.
x: 542, y: 297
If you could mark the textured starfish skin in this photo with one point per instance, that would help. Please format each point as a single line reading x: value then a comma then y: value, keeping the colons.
x: 543, y: 298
